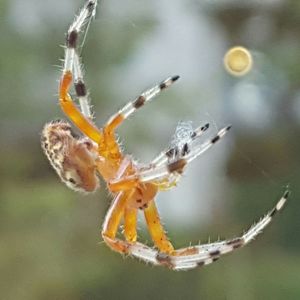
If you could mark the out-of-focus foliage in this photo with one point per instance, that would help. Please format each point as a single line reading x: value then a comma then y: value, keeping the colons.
x: 50, y: 246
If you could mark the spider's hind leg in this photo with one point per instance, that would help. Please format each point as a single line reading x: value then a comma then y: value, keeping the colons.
x: 196, y: 256
x: 156, y: 229
x: 130, y: 224
x: 112, y: 221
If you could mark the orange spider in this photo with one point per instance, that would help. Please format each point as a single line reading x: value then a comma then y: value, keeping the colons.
x: 79, y: 160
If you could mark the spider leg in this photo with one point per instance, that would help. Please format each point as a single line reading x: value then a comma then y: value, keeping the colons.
x: 198, y: 150
x: 165, y: 155
x: 195, y: 256
x: 156, y: 229
x: 79, y: 85
x: 85, y: 14
x: 123, y: 184
x: 157, y: 173
x: 132, y: 106
x: 74, y: 114
x: 112, y: 221
x: 117, y: 210
x: 80, y: 88
x: 117, y: 119
x: 130, y: 224
x: 178, y: 165
x: 80, y: 119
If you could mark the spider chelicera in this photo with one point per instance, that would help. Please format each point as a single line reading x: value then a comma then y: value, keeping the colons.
x: 79, y: 160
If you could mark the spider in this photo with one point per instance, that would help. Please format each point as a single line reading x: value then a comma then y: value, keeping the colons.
x: 79, y: 160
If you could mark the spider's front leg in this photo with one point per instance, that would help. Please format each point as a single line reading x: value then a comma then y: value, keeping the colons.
x: 71, y: 110
x: 163, y: 170
x: 80, y: 119
x: 72, y: 157
x: 117, y: 119
x: 130, y: 108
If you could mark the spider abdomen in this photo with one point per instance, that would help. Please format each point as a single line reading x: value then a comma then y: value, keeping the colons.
x: 72, y: 157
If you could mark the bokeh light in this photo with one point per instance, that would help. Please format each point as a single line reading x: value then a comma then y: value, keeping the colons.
x: 238, y: 61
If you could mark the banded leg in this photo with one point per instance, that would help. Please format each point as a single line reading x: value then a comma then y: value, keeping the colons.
x: 116, y: 120
x: 74, y: 114
x: 80, y: 119
x: 131, y: 107
x: 195, y: 256
x: 178, y: 165
x: 154, y: 173
x: 172, y: 151
x: 85, y: 14
x: 80, y: 88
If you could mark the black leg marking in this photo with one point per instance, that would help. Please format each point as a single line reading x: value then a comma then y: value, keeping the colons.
x: 215, y: 139
x: 200, y: 130
x: 185, y: 149
x: 205, y: 127
x: 177, y: 166
x: 286, y: 194
x: 173, y: 152
x: 273, y: 212
x: 236, y: 243
x: 72, y: 39
x: 215, y: 253
x: 165, y: 84
x: 218, y: 136
x: 139, y: 102
x: 170, y: 153
x: 175, y: 78
x: 80, y: 88
x: 200, y: 264
x: 165, y: 260
x: 90, y: 6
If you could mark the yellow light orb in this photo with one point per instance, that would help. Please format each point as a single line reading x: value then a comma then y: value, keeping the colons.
x: 238, y: 61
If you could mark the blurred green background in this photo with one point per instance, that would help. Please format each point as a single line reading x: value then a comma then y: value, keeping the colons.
x: 50, y: 247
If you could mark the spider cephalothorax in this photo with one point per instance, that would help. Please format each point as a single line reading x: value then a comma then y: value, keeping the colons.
x: 79, y: 160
